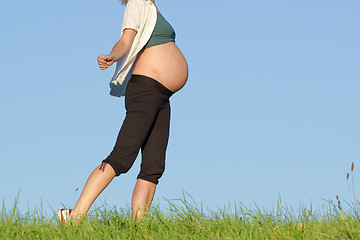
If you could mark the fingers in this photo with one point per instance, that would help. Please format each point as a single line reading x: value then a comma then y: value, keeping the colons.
x: 104, y: 61
x: 104, y: 66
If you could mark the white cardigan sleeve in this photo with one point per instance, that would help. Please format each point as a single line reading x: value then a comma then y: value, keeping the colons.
x: 132, y: 17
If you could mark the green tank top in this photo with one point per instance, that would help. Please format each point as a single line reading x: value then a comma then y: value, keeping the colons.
x: 163, y: 32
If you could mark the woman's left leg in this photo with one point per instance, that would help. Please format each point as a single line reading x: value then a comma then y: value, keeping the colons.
x: 142, y: 197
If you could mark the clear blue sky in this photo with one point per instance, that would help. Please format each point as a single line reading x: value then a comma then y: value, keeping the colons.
x: 271, y: 106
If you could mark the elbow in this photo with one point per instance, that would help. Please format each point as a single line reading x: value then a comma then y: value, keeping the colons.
x: 125, y: 45
x: 120, y: 49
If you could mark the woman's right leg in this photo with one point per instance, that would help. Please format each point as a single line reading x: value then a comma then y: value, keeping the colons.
x: 96, y: 183
x: 152, y: 165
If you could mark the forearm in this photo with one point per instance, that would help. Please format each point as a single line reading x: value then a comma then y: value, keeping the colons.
x: 119, y: 50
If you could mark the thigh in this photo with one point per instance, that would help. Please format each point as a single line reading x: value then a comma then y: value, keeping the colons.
x: 143, y: 105
x: 154, y: 148
x: 136, y: 126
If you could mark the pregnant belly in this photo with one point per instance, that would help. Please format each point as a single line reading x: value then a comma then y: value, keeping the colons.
x: 164, y: 63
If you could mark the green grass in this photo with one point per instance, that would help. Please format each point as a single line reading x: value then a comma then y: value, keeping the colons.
x: 184, y: 220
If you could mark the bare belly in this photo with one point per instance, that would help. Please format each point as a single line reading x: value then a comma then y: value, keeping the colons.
x: 164, y: 63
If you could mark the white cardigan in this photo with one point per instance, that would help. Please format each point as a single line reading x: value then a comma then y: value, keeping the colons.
x: 139, y: 15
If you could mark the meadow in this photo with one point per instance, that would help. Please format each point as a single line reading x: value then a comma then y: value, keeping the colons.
x: 184, y: 219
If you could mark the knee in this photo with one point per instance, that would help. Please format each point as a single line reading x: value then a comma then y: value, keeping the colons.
x: 118, y: 164
x: 151, y: 176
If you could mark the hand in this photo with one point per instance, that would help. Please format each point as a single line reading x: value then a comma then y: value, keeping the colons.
x: 105, y: 61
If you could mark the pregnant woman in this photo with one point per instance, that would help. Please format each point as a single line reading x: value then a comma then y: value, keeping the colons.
x: 149, y: 69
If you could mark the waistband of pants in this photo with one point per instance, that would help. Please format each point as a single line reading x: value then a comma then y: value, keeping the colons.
x: 150, y: 82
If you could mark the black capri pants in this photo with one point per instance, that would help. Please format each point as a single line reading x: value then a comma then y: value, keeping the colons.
x: 146, y: 127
